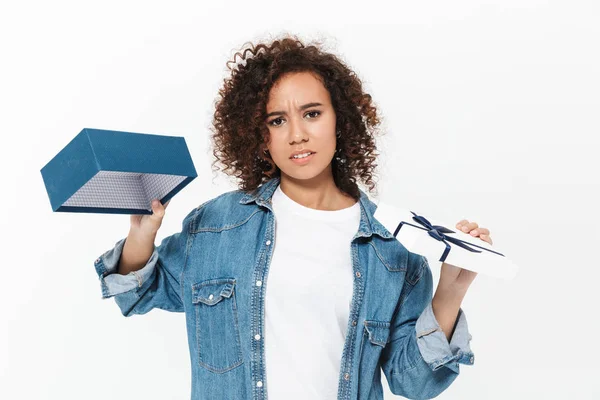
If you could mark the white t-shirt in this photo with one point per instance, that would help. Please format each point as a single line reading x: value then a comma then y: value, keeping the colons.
x: 307, y: 300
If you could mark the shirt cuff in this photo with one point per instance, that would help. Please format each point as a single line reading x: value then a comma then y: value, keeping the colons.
x: 434, y: 346
x: 113, y: 283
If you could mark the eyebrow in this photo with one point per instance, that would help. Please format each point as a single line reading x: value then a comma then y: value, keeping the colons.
x: 303, y: 107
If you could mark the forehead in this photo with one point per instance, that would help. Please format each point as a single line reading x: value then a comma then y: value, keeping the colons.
x: 298, y: 87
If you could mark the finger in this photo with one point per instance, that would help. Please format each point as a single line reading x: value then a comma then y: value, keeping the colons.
x: 465, y: 227
x: 157, y: 210
x: 470, y: 227
x: 461, y: 223
x: 482, y: 231
x: 486, y: 238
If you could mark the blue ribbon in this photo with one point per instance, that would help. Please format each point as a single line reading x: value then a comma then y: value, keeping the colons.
x: 437, y: 232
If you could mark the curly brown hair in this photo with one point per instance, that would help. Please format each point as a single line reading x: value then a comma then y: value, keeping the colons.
x: 239, y: 131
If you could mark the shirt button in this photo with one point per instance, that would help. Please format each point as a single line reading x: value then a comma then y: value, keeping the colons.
x: 210, y: 297
x: 259, y: 383
x: 97, y: 260
x: 354, y: 323
x: 258, y: 283
x: 472, y: 359
x: 257, y: 337
x: 346, y: 376
x: 357, y: 274
x: 268, y: 242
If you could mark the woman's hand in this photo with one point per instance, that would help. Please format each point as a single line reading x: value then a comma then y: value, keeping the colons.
x: 454, y: 282
x: 474, y: 230
x: 455, y: 278
x: 147, y: 225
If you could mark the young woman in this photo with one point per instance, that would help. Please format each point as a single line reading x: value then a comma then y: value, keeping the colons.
x: 345, y: 299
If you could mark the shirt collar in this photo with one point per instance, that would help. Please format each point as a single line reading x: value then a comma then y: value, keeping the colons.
x: 368, y: 226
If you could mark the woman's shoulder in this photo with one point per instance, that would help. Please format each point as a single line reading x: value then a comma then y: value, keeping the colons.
x: 222, y: 211
x: 220, y: 200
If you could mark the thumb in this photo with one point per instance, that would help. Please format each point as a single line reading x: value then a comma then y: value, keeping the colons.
x: 158, y: 210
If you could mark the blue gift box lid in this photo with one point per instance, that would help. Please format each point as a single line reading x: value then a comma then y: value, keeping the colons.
x: 105, y: 171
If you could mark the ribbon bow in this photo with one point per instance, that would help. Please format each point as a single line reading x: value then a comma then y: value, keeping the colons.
x: 438, y: 232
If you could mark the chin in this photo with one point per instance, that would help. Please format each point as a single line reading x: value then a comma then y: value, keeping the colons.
x: 307, y: 172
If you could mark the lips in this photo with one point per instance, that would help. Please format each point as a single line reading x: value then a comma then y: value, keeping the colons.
x: 300, y: 152
x: 303, y: 160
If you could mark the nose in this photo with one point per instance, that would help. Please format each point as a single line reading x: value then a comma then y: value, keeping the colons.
x: 296, y: 132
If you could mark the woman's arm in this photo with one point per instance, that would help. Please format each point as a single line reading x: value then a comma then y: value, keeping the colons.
x: 446, y: 307
x: 157, y: 284
x: 418, y: 361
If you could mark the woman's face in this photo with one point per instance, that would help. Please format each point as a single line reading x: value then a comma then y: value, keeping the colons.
x: 300, y: 117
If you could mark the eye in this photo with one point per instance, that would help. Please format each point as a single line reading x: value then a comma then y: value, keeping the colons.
x: 273, y: 120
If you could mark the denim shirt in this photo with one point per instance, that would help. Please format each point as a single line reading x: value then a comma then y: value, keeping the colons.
x: 216, y: 272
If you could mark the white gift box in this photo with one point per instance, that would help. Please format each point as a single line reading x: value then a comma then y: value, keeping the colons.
x: 434, y: 240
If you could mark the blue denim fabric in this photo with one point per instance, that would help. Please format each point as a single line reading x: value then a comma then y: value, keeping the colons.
x: 215, y: 271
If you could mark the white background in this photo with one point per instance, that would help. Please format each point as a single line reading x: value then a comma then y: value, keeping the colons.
x: 490, y: 110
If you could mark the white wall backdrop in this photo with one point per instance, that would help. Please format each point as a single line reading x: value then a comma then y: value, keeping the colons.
x: 490, y: 110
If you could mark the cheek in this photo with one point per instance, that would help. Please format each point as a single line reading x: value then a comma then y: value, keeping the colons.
x: 324, y: 134
x: 328, y: 143
x: 278, y: 148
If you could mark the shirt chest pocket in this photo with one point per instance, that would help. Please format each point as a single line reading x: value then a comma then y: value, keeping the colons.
x: 217, y: 331
x: 376, y: 335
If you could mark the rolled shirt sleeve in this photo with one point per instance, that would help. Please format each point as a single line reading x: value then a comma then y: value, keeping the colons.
x: 158, y: 283
x: 113, y: 283
x: 434, y: 346
x: 412, y: 360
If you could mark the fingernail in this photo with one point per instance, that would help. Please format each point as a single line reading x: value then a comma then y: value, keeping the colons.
x: 464, y: 228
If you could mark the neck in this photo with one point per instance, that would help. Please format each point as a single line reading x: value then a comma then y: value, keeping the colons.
x: 319, y: 193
